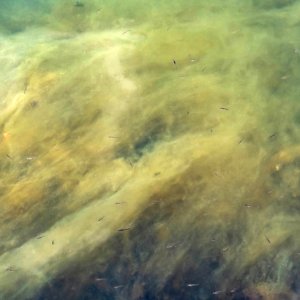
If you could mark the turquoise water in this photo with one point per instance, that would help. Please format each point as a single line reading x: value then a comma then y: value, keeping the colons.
x: 149, y: 149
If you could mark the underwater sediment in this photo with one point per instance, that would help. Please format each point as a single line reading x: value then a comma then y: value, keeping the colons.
x: 150, y: 149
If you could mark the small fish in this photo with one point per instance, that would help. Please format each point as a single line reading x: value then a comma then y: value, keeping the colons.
x: 100, y: 279
x: 40, y: 237
x: 100, y: 219
x: 217, y: 292
x: 170, y: 246
x: 248, y: 205
x: 154, y: 203
x: 157, y: 173
x: 113, y: 137
x: 224, y: 108
x: 33, y: 103
x: 25, y: 87
x: 118, y: 203
x: 193, y: 284
x: 124, y: 229
x: 174, y: 61
x: 118, y: 286
x: 272, y: 135
x: 10, y: 269
x: 52, y: 243
x: 268, y: 239
x: 8, y: 156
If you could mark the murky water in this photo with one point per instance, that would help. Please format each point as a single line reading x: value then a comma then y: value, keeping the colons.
x: 150, y: 149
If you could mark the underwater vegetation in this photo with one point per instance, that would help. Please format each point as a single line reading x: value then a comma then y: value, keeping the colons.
x: 149, y: 149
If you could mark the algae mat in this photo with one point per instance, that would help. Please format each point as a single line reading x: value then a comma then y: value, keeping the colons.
x: 149, y: 149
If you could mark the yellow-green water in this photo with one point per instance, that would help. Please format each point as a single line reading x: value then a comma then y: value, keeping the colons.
x: 150, y: 149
